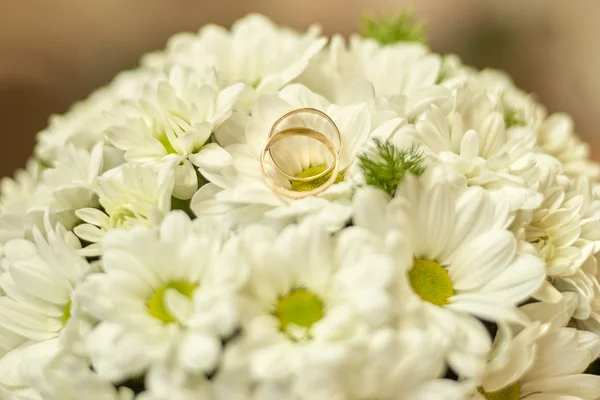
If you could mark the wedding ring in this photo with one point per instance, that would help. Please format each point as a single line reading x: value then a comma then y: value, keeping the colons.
x: 276, y: 136
x: 304, y: 131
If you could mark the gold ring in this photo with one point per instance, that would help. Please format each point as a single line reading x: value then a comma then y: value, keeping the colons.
x: 303, y: 131
x: 278, y: 189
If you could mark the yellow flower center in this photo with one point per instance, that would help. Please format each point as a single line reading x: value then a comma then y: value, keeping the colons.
x: 310, y: 185
x: 66, y: 313
x: 512, y: 392
x: 156, y: 304
x: 300, y: 307
x: 431, y: 281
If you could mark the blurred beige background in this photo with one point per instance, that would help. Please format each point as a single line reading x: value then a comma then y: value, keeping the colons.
x: 55, y: 52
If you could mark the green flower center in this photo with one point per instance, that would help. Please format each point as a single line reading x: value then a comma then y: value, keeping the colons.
x: 300, y: 307
x: 310, y: 185
x: 514, y: 117
x: 512, y: 392
x: 120, y: 216
x: 431, y: 281
x: 66, y: 313
x: 156, y: 304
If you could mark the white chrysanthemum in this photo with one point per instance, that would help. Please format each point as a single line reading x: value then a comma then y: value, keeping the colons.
x: 160, y: 287
x: 455, y: 261
x: 68, y: 186
x: 172, y: 121
x: 519, y: 109
x: 15, y: 197
x: 310, y: 303
x: 399, y: 69
x: 396, y: 80
x: 402, y: 364
x: 240, y: 191
x: 58, y: 193
x: 474, y: 143
x: 83, y: 125
x: 558, y: 138
x: 542, y: 361
x: 256, y: 52
x: 16, y: 193
x: 565, y: 232
x: 39, y: 279
x: 130, y: 195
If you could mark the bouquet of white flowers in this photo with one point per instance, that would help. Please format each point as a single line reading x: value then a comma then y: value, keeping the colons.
x: 258, y: 213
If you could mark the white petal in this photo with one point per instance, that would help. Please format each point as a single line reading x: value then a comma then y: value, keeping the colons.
x: 199, y: 353
x: 89, y: 232
x: 93, y: 216
x: 186, y: 181
x: 518, y: 281
x: 211, y: 156
x: 480, y: 260
x: 369, y: 205
x: 469, y: 145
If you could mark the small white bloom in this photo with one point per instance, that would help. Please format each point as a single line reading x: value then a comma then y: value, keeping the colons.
x: 68, y: 186
x: 399, y: 69
x: 130, y: 195
x: 172, y: 121
x: 455, y: 261
x: 543, y: 360
x: 565, y: 232
x: 16, y: 193
x: 474, y: 143
x: 83, y: 124
x: 160, y: 286
x: 520, y: 109
x: 38, y: 280
x: 558, y: 138
x: 256, y: 52
x: 311, y: 301
x: 403, y: 364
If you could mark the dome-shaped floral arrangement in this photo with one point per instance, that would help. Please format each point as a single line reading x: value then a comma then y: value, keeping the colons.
x: 258, y: 213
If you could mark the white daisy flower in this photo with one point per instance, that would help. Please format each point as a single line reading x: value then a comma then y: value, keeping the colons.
x: 542, y: 361
x: 473, y: 142
x: 565, y: 232
x: 68, y: 186
x: 403, y: 364
x: 558, y: 138
x: 399, y: 69
x: 240, y: 192
x: 16, y: 193
x: 311, y: 301
x: 57, y: 192
x: 520, y: 109
x: 398, y: 79
x: 455, y: 261
x: 84, y: 123
x: 160, y: 287
x: 256, y: 52
x: 15, y: 197
x: 39, y: 279
x: 130, y: 195
x: 172, y: 121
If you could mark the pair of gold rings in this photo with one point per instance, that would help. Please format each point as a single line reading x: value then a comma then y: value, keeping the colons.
x: 275, y: 135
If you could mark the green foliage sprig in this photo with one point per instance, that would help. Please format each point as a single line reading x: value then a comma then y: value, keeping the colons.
x: 386, y: 165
